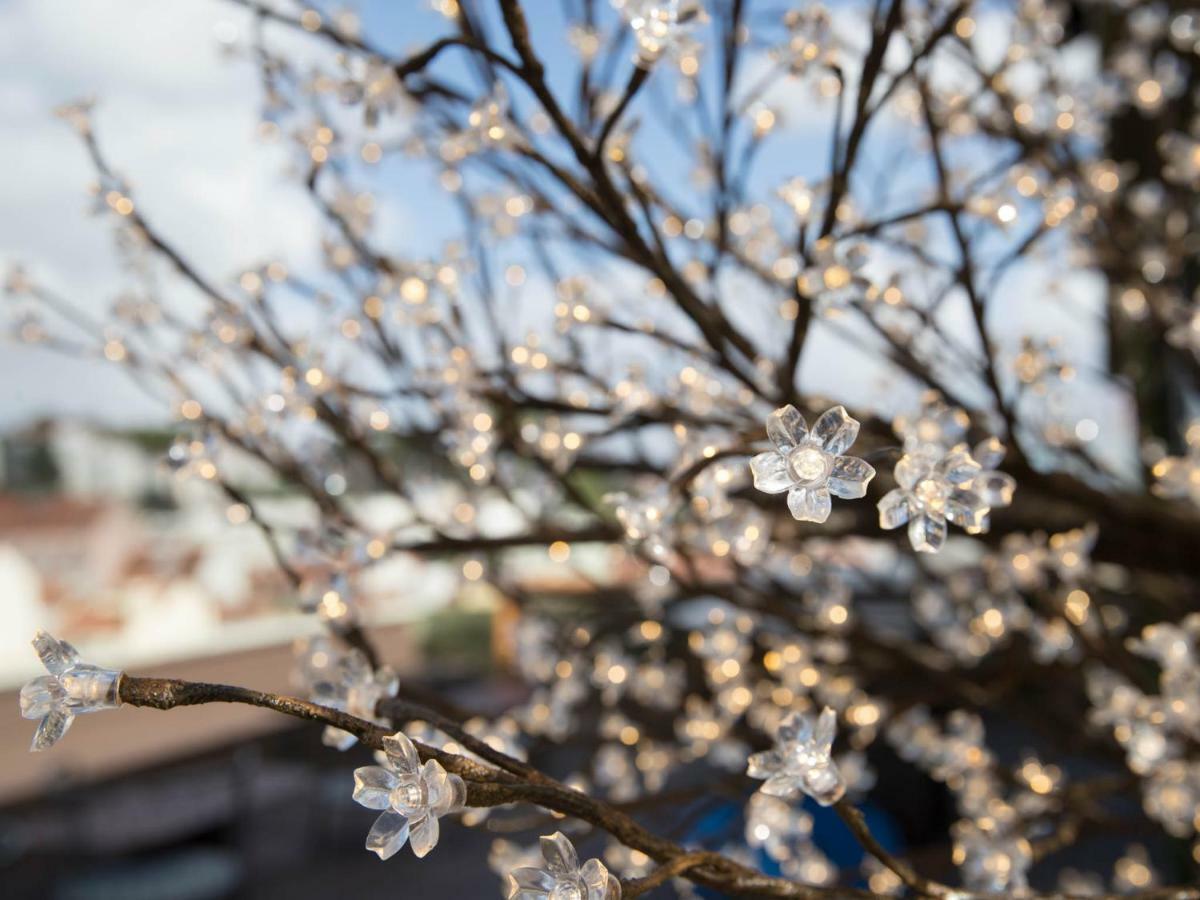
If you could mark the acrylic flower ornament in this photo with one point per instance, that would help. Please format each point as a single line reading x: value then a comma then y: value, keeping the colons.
x: 352, y: 686
x: 646, y: 519
x: 802, y: 760
x: 931, y: 491
x: 71, y: 688
x: 412, y: 796
x: 809, y: 465
x: 562, y: 878
x: 993, y: 862
x: 936, y: 428
x: 659, y: 26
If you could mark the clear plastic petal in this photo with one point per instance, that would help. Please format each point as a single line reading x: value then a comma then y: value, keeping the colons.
x: 893, y: 509
x: 595, y: 876
x: 996, y: 488
x: 402, y: 753
x: 387, y: 835
x: 849, y: 477
x: 909, y: 470
x: 387, y: 680
x: 559, y: 854
x: 372, y: 786
x: 423, y: 834
x: 794, y: 727
x: 825, y: 731
x: 51, y: 729
x: 781, y: 785
x: 355, y: 667
x: 786, y: 428
x: 989, y: 453
x: 966, y: 509
x: 770, y: 473
x: 40, y: 696
x: 835, y: 430
x: 57, y: 656
x: 958, y: 466
x: 927, y: 533
x: 810, y: 504
x: 764, y: 765
x: 528, y: 883
x: 338, y: 739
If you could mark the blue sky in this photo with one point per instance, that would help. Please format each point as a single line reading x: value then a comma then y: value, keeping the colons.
x: 178, y: 118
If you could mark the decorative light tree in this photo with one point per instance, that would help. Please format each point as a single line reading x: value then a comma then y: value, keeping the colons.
x: 603, y: 320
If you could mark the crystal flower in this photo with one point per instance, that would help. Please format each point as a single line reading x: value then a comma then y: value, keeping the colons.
x: 931, y: 491
x: 348, y: 683
x: 937, y: 428
x: 70, y: 689
x: 646, y: 519
x: 996, y: 488
x: 834, y: 275
x: 659, y: 26
x: 993, y: 862
x: 562, y: 878
x: 777, y: 826
x: 412, y: 796
x: 1178, y: 477
x: 810, y: 466
x: 802, y: 760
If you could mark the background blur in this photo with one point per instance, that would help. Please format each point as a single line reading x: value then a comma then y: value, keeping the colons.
x: 102, y: 546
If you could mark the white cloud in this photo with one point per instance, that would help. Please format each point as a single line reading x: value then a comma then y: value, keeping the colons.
x: 177, y: 119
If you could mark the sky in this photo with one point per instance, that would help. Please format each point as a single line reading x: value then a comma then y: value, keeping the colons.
x: 178, y: 118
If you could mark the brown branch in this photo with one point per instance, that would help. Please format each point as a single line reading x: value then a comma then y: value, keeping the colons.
x: 488, y: 786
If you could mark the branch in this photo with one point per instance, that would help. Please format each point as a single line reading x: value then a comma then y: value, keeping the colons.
x: 488, y: 786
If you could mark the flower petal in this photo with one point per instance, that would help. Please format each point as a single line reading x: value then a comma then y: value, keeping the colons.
x: 764, y: 765
x: 825, y: 731
x: 40, y: 696
x: 595, y: 876
x: 402, y: 753
x: 958, y: 466
x: 57, y: 656
x: 835, y: 430
x: 988, y: 453
x: 794, y: 727
x: 354, y: 667
x: 770, y: 473
x: 51, y: 729
x: 849, y: 477
x: 809, y: 504
x: 786, y: 428
x: 528, y: 883
x: 423, y: 834
x: 910, y: 468
x: 966, y: 509
x: 387, y: 835
x: 927, y: 533
x: 781, y: 785
x: 559, y: 854
x: 338, y: 739
x: 996, y: 488
x: 893, y: 509
x: 373, y: 786
x: 387, y: 681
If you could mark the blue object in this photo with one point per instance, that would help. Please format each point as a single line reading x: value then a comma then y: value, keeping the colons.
x: 726, y: 824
